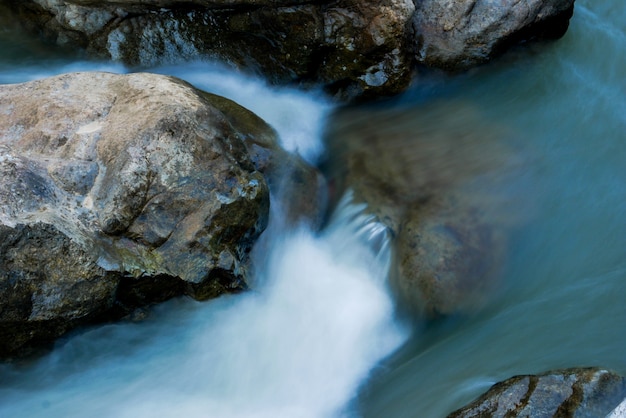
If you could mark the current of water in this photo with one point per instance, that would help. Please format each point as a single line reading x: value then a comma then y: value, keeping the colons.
x: 318, y: 336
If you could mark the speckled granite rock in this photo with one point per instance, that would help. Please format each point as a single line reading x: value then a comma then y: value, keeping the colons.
x: 580, y: 393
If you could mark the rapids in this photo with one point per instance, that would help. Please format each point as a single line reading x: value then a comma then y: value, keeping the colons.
x: 318, y: 335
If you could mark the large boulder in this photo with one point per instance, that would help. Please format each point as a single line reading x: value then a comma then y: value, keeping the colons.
x: 118, y: 191
x: 355, y: 48
x: 579, y: 392
x: 441, y: 179
x: 458, y: 34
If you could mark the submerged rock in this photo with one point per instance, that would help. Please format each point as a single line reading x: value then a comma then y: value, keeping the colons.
x: 458, y: 34
x: 448, y: 256
x: 117, y: 191
x: 355, y: 48
x: 444, y: 183
x: 583, y: 393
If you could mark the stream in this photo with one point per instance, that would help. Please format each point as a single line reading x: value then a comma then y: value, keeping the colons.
x: 319, y: 335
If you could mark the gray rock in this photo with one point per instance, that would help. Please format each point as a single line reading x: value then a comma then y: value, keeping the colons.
x: 118, y: 191
x: 619, y: 411
x: 458, y: 34
x: 579, y: 392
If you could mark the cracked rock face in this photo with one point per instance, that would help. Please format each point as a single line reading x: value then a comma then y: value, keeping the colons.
x: 108, y: 181
x: 579, y: 392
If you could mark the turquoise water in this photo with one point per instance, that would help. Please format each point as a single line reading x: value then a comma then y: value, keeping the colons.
x: 563, y: 305
x: 317, y: 336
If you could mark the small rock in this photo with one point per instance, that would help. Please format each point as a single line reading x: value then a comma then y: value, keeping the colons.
x: 578, y: 392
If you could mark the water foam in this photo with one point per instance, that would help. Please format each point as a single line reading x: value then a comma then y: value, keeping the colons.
x: 298, y: 118
x: 298, y: 345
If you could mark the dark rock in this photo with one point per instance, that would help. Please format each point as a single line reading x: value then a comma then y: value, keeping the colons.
x: 581, y: 393
x: 48, y: 285
x: 355, y: 49
x: 301, y: 188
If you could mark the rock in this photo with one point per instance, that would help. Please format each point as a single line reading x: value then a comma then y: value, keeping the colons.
x: 579, y: 392
x: 367, y: 48
x: 48, y: 285
x: 300, y: 188
x: 117, y: 191
x: 449, y: 257
x: 446, y: 185
x: 459, y: 34
x: 354, y: 48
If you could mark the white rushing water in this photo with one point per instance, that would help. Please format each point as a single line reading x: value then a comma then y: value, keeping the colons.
x: 298, y: 345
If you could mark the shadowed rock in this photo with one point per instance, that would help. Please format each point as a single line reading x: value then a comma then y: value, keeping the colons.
x: 354, y: 48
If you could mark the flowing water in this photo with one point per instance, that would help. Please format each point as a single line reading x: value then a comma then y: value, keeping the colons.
x: 317, y: 336
x: 564, y: 304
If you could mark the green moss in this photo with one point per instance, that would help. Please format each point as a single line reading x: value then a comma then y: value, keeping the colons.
x: 137, y: 259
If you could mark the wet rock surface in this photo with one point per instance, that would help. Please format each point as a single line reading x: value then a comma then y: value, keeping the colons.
x: 118, y: 191
x: 351, y: 47
x: 579, y: 392
x: 302, y: 188
x: 48, y: 285
x: 355, y: 49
